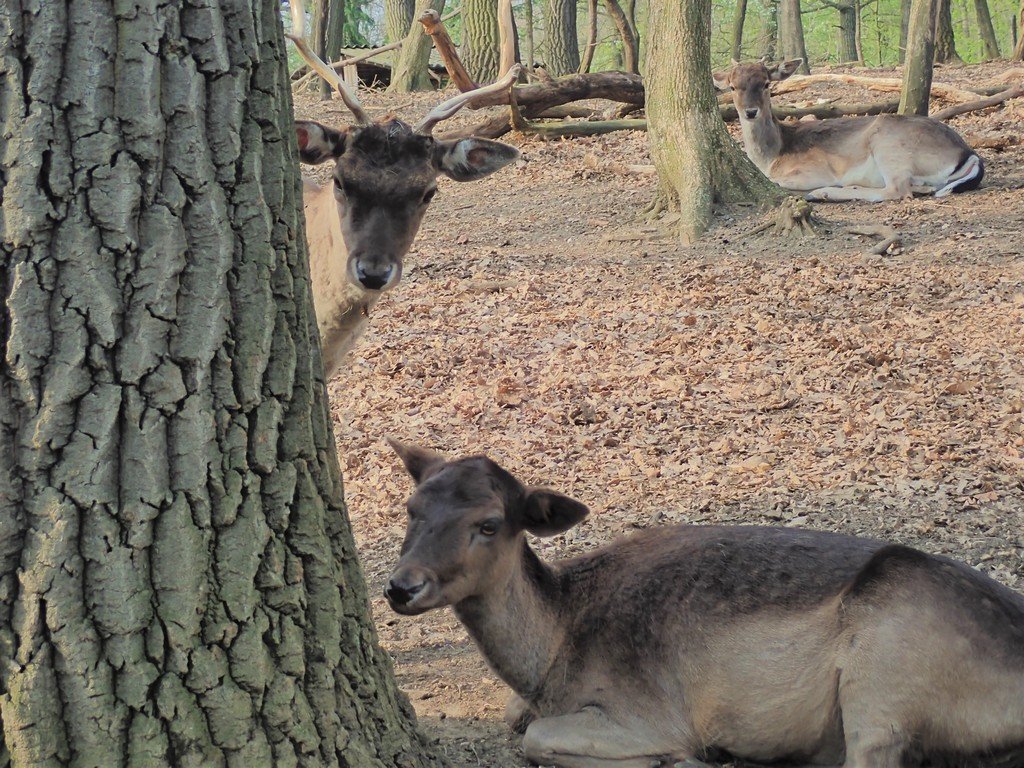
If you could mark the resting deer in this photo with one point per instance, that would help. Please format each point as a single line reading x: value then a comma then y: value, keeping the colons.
x: 360, y: 226
x: 694, y: 642
x: 850, y: 158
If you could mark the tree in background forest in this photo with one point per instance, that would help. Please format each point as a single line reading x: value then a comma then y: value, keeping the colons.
x: 328, y: 35
x: 988, y: 32
x: 561, y: 48
x: 791, y: 34
x: 480, y: 40
x: 917, y: 72
x: 1018, y: 51
x: 410, y: 71
x: 945, y: 44
x: 179, y: 579
x: 698, y: 163
x: 398, y: 18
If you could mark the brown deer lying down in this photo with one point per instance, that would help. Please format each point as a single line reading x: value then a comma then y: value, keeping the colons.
x: 361, y: 225
x: 850, y: 158
x: 690, y: 642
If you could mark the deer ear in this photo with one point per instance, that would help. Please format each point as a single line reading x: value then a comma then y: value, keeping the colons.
x: 546, y: 513
x: 472, y: 159
x: 317, y: 142
x: 722, y: 80
x: 785, y: 69
x: 421, y: 462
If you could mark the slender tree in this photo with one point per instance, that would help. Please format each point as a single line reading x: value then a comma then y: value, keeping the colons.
x: 988, y: 32
x: 398, y: 18
x: 698, y: 163
x: 328, y: 33
x: 904, y: 28
x: 528, y: 35
x: 1018, y: 48
x: 587, y: 58
x: 630, y: 44
x: 410, y: 72
x: 480, y: 39
x: 738, y: 19
x: 945, y: 44
x: 179, y: 580
x: 791, y: 33
x: 917, y: 73
x: 561, y: 47
x: 771, y: 30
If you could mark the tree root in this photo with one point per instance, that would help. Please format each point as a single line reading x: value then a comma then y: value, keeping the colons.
x: 793, y: 217
x: 889, y: 236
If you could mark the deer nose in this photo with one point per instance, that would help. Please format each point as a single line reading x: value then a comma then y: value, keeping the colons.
x: 374, y: 278
x: 403, y: 587
x: 751, y: 113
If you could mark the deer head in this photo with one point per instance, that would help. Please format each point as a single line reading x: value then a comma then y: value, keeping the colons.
x: 385, y: 173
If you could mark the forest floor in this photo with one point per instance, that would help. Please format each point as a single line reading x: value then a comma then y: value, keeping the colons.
x: 745, y: 379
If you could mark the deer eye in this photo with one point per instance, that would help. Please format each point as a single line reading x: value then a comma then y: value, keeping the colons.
x: 429, y: 195
x: 489, y: 527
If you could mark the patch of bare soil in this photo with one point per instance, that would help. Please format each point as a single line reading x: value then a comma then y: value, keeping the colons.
x: 741, y: 380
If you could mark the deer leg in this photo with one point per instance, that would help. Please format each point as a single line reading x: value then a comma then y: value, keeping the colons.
x: 869, y: 194
x: 590, y: 739
x: 518, y: 714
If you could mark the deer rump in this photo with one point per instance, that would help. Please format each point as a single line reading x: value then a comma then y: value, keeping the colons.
x: 772, y: 644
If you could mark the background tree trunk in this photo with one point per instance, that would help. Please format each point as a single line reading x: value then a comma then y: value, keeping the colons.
x: 588, y: 50
x: 988, y: 32
x: 328, y: 32
x: 738, y: 19
x: 530, y: 47
x: 917, y: 74
x: 847, y: 32
x: 178, y: 580
x: 1018, y: 49
x: 398, y: 18
x: 480, y: 39
x: 771, y: 31
x: 630, y: 52
x: 410, y: 72
x: 562, y: 49
x: 791, y: 34
x: 904, y: 28
x: 698, y: 162
x: 945, y: 44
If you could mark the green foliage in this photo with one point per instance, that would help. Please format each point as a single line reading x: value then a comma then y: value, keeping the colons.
x: 361, y: 29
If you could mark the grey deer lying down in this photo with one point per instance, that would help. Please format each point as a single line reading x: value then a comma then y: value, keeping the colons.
x: 690, y: 642
x: 850, y: 158
x: 360, y: 226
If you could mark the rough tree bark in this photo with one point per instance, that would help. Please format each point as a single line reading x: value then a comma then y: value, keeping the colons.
x: 738, y: 19
x: 698, y: 163
x: 410, y: 72
x: 791, y: 34
x: 917, y: 73
x: 398, y: 16
x: 480, y: 39
x: 561, y: 47
x: 988, y: 32
x: 328, y: 32
x: 945, y: 43
x: 178, y: 582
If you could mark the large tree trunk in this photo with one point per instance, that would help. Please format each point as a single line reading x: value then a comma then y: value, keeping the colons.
x: 917, y: 74
x: 410, y: 72
x: 738, y: 19
x: 562, y: 49
x: 791, y: 34
x: 178, y: 581
x: 398, y: 18
x: 988, y: 32
x: 945, y: 44
x: 630, y: 45
x: 480, y: 39
x: 328, y: 32
x: 698, y: 163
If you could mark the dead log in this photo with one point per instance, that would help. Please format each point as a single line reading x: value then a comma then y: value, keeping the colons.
x: 891, y: 84
x: 1014, y: 92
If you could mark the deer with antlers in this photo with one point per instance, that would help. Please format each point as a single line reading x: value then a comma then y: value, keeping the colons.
x: 360, y: 226
x: 851, y: 158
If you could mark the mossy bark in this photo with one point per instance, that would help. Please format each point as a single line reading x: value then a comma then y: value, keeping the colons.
x: 698, y: 162
x: 480, y: 40
x: 178, y: 581
x: 410, y: 72
x: 561, y: 48
x: 397, y: 19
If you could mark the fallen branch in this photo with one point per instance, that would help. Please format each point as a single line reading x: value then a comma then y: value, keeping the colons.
x: 433, y: 25
x: 891, y: 84
x: 1014, y: 92
x: 889, y: 236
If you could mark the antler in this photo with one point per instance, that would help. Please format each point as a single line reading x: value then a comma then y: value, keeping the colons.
x: 298, y: 36
x: 448, y: 108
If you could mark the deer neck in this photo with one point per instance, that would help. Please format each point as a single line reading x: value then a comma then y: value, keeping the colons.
x: 762, y: 139
x: 517, y: 624
x: 341, y: 307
